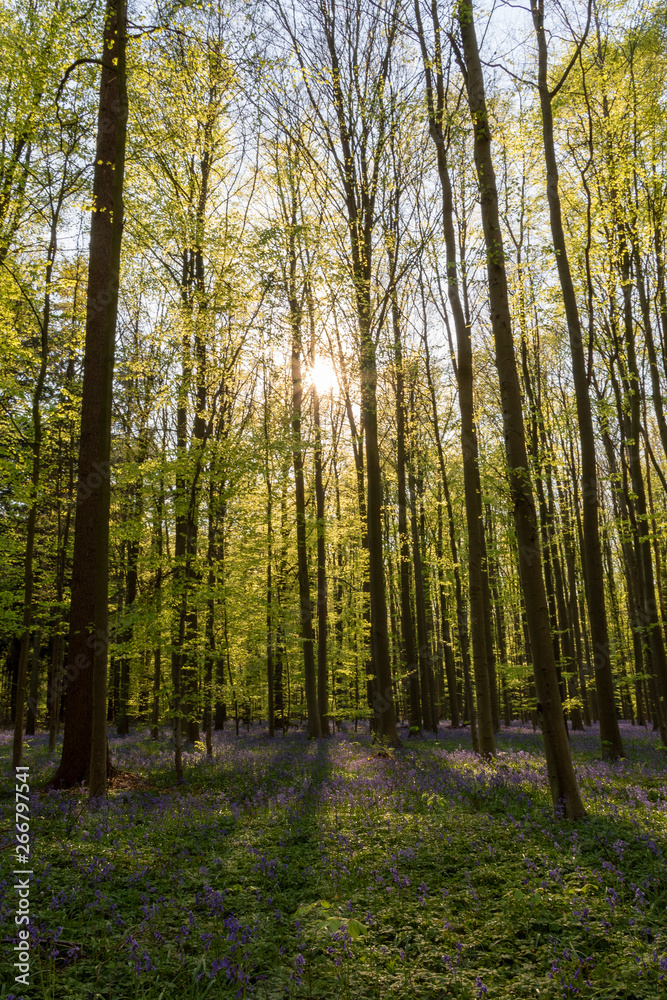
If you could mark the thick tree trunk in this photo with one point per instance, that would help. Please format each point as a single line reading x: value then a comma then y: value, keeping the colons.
x: 85, y: 752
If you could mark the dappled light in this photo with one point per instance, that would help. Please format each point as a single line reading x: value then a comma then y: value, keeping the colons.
x: 333, y: 500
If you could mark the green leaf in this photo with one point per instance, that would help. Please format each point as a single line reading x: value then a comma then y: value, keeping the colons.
x: 355, y: 929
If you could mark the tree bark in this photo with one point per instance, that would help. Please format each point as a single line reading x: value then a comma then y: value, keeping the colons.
x: 307, y: 632
x: 269, y: 566
x: 562, y: 780
x: 85, y: 751
x: 610, y: 736
x: 407, y: 623
x: 34, y: 685
x: 463, y: 369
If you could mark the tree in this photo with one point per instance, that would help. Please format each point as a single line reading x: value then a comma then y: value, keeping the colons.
x: 592, y: 552
x: 437, y: 110
x: 356, y: 139
x: 85, y: 752
x: 564, y: 790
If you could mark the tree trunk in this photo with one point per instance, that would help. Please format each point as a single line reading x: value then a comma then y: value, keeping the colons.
x: 562, y: 780
x: 131, y: 582
x: 407, y: 624
x: 307, y: 633
x: 647, y: 610
x: 85, y: 751
x: 28, y: 579
x: 34, y: 685
x: 157, y: 590
x: 463, y: 369
x: 610, y: 736
x: 269, y: 566
x: 461, y: 617
x: 424, y: 652
x: 322, y: 609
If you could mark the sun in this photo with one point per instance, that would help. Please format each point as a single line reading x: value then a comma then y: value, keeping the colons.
x: 323, y: 376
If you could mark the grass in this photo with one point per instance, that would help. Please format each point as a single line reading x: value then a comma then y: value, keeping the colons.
x: 320, y: 869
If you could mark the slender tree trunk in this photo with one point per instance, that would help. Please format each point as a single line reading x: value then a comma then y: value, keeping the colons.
x: 428, y: 606
x: 570, y: 566
x: 610, y: 736
x: 307, y: 632
x: 383, y: 696
x: 34, y: 685
x: 28, y: 578
x: 462, y: 621
x: 269, y: 566
x: 562, y: 780
x: 322, y: 603
x: 424, y: 652
x: 450, y: 664
x: 648, y: 608
x: 407, y: 624
x: 210, y: 651
x: 281, y: 669
x: 338, y: 589
x: 463, y: 368
x: 157, y: 652
x: 360, y: 194
x: 55, y: 689
x: 493, y: 575
x: 488, y: 624
x: 131, y: 582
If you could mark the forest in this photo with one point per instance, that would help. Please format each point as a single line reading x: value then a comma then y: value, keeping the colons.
x: 333, y: 498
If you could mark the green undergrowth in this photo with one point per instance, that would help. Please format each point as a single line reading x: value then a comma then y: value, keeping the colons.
x: 327, y: 869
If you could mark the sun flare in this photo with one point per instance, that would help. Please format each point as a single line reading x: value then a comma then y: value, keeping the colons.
x: 323, y: 376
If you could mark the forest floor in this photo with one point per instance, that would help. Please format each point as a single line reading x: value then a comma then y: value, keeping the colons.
x: 289, y: 868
